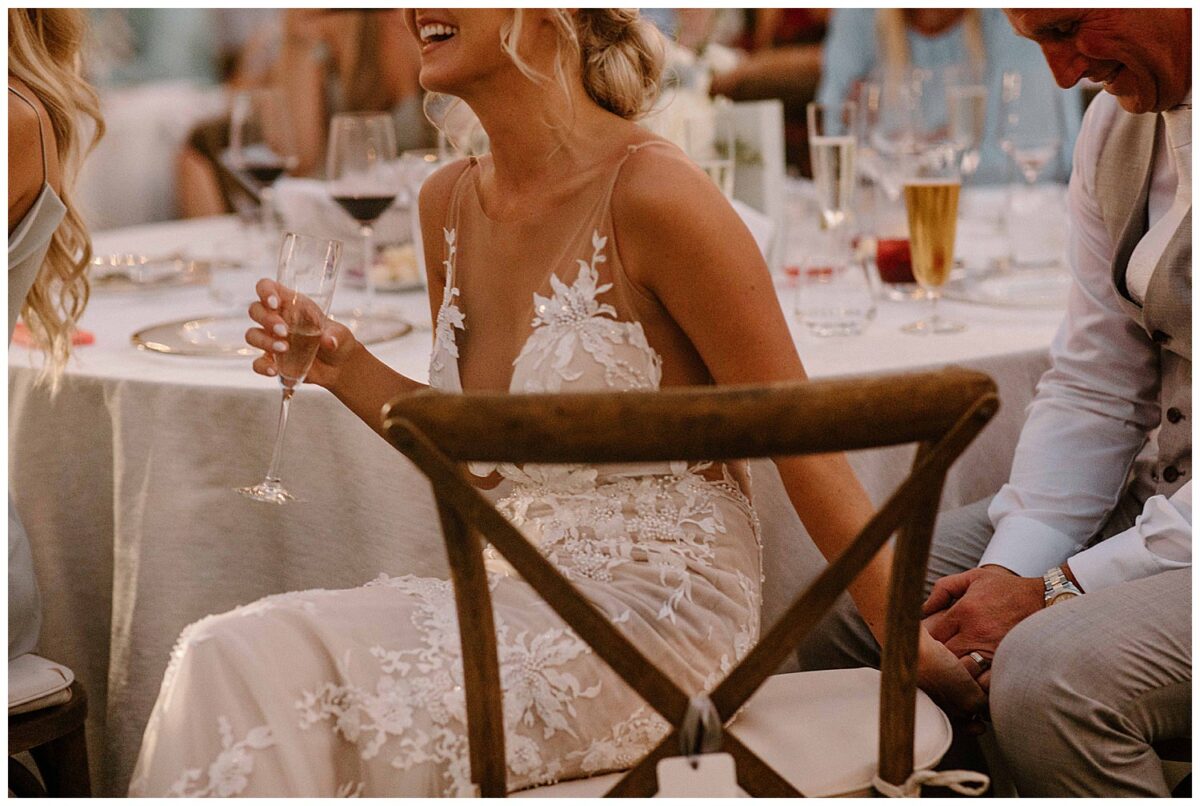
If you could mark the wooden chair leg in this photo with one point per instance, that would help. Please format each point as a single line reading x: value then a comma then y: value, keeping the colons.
x: 63, y: 763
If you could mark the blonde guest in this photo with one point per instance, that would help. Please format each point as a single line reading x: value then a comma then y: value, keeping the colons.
x: 48, y: 245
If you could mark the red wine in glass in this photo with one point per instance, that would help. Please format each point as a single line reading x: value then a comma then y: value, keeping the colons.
x: 265, y: 173
x: 365, y: 209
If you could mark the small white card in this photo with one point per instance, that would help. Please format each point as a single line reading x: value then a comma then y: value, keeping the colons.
x: 714, y: 776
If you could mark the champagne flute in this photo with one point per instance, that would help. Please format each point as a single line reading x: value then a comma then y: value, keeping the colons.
x: 1031, y: 126
x: 709, y: 140
x: 832, y: 144
x: 262, y: 146
x: 362, y: 177
x: 966, y: 114
x: 931, y: 200
x: 1030, y: 123
x: 307, y: 276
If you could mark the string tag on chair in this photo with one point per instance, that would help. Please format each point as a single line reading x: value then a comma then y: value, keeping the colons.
x: 964, y: 782
x: 700, y: 731
x: 700, y: 771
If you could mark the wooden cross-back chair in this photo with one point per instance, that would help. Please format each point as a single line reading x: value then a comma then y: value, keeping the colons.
x: 942, y: 411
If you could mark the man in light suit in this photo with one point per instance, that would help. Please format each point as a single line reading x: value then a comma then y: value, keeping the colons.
x: 1079, y: 580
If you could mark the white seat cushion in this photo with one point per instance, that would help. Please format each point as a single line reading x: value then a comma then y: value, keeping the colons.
x: 819, y: 730
x: 34, y: 682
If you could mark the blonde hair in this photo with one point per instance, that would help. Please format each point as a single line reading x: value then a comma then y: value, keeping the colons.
x: 893, y: 39
x: 44, y: 52
x: 620, y: 57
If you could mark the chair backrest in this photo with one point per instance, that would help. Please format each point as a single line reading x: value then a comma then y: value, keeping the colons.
x: 943, y: 411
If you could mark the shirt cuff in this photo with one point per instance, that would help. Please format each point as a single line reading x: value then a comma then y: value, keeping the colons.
x: 1128, y: 555
x: 1027, y: 547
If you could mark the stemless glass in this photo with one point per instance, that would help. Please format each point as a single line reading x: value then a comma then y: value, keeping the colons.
x: 262, y: 146
x: 931, y: 200
x: 832, y: 144
x: 307, y: 276
x: 362, y: 177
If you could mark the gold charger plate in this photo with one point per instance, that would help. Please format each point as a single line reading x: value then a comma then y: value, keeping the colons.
x: 225, y: 336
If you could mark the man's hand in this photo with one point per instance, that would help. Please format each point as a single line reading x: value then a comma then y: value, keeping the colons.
x: 974, y: 610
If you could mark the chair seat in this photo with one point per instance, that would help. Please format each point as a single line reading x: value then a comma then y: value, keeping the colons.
x: 35, y: 683
x: 819, y: 730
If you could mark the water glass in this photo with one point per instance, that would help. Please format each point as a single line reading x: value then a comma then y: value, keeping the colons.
x: 833, y: 296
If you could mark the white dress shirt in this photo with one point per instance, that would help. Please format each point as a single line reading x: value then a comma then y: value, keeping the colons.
x: 1098, y: 402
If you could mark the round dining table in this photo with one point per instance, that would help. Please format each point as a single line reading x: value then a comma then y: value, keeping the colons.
x: 125, y: 478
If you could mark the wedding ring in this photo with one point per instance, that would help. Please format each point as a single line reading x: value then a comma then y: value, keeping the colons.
x: 983, y: 663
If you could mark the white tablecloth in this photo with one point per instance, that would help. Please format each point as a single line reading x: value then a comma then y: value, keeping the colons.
x: 124, y: 479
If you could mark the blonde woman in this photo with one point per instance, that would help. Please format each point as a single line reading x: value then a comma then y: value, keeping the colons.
x: 581, y: 253
x: 48, y: 245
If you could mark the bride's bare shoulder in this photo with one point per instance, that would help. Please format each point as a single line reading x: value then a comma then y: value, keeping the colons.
x: 660, y: 184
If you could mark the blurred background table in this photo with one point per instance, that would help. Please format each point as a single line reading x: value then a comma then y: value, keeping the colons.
x: 139, y: 533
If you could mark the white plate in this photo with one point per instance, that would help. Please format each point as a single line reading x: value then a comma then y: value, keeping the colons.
x: 132, y: 272
x: 207, y: 336
x: 1012, y: 288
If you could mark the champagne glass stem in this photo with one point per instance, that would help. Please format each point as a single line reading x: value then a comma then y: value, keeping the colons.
x: 277, y: 452
x: 368, y: 253
x: 934, y: 295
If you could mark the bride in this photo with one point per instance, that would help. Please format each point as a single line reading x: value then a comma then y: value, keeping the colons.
x: 581, y: 253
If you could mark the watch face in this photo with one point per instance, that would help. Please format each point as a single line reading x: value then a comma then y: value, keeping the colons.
x: 1062, y: 597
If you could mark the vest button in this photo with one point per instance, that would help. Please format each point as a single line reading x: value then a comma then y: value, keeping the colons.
x: 1174, y: 415
x: 1171, y: 474
x: 1159, y: 337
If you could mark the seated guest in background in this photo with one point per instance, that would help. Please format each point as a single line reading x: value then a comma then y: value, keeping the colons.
x: 327, y: 61
x: 643, y: 277
x: 48, y: 245
x: 783, y: 61
x: 348, y: 60
x: 1082, y: 594
x: 863, y: 41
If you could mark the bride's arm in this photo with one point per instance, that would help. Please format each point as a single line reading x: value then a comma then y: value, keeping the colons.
x: 685, y: 246
x: 344, y: 366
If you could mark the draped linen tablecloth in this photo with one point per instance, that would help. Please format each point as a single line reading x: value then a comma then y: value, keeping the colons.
x: 124, y: 480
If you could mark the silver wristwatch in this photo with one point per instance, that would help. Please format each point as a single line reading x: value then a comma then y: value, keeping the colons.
x: 1058, y: 587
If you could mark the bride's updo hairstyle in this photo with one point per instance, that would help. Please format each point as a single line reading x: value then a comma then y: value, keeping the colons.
x: 620, y: 58
x: 620, y: 55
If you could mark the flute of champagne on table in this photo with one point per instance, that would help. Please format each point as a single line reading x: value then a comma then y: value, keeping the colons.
x: 307, y: 276
x: 832, y: 144
x: 931, y: 201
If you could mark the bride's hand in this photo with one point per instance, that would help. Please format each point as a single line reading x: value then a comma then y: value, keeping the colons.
x: 943, y: 677
x: 337, y: 342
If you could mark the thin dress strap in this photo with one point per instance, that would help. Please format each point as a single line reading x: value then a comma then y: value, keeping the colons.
x: 41, y: 132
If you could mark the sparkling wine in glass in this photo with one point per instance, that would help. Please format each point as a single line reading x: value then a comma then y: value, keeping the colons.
x: 362, y: 177
x: 931, y: 200
x: 832, y: 145
x: 262, y: 145
x: 307, y: 276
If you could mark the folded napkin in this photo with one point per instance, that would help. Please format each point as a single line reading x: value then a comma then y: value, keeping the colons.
x: 35, y: 683
x: 24, y: 338
x: 306, y: 207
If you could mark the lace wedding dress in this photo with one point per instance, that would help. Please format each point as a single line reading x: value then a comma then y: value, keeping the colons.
x: 359, y: 692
